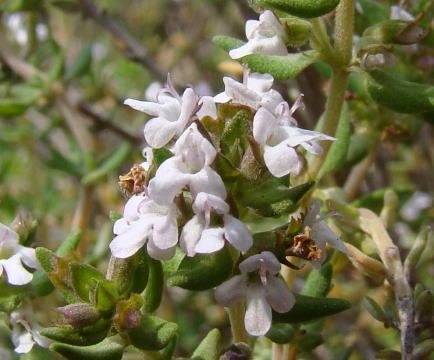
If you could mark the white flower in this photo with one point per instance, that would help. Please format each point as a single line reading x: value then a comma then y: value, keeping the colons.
x: 148, y: 154
x: 279, y: 140
x: 321, y: 233
x: 190, y: 166
x: 24, y: 335
x: 146, y: 221
x: 263, y: 292
x: 207, y: 108
x: 398, y: 13
x: 255, y: 91
x: 264, y: 36
x: 12, y: 257
x: 171, y: 112
x: 199, y: 237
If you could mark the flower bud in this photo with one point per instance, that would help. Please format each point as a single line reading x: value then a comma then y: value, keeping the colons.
x: 368, y: 266
x: 298, y: 31
x: 79, y: 314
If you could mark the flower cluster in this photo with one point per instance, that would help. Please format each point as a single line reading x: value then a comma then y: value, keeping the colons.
x: 186, y: 199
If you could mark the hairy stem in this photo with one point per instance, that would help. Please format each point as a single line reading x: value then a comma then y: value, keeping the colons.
x: 344, y: 27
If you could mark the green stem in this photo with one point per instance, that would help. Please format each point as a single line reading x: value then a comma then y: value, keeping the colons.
x: 236, y: 316
x: 344, y: 24
x: 332, y: 114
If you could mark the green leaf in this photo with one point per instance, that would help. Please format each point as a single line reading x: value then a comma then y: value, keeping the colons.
x: 41, y: 284
x: 281, y: 67
x: 45, y: 258
x: 203, y: 271
x: 153, y: 292
x: 105, y: 297
x: 37, y: 353
x: 84, y: 279
x: 373, y: 12
x: 358, y: 148
x: 399, y: 95
x: 375, y: 200
x: 310, y: 341
x: 66, y: 5
x: 81, y: 64
x: 263, y: 196
x: 318, y: 282
x: 108, y: 349
x: 281, y: 333
x: 309, y: 308
x: 210, y: 347
x: 114, y: 216
x: 23, y: 5
x: 338, y: 151
x: 70, y: 244
x: 301, y: 8
x: 114, y: 161
x: 89, y: 335
x: 11, y: 296
x: 374, y: 309
x: 12, y: 107
x: 57, y: 67
x: 160, y: 155
x: 153, y: 333
x: 59, y: 162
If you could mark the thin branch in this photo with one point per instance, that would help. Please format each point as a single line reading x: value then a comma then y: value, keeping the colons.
x: 134, y: 49
x: 389, y: 254
x: 106, y: 124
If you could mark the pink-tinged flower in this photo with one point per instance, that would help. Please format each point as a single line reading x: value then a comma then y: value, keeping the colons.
x: 172, y: 113
x: 279, y: 139
x: 24, y: 334
x: 255, y: 91
x: 12, y: 257
x: 321, y: 233
x: 189, y: 167
x: 200, y: 236
x: 145, y: 221
x: 263, y: 290
x: 264, y: 36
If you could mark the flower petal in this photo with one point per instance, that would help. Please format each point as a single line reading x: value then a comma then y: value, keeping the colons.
x: 15, y: 271
x: 130, y: 241
x: 190, y: 235
x: 205, y: 201
x: 237, y: 234
x: 165, y: 232
x: 159, y: 131
x: 24, y: 343
x: 211, y: 240
x: 28, y: 256
x: 264, y: 123
x: 282, y: 160
x: 240, y: 94
x: 278, y: 295
x: 168, y: 181
x: 265, y: 259
x: 258, y: 314
x: 159, y: 254
x: 208, y: 107
x: 231, y: 291
x: 208, y: 181
x: 147, y: 107
x: 322, y: 232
